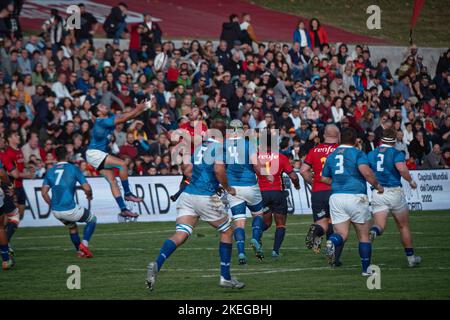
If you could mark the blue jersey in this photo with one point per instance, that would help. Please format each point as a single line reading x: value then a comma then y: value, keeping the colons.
x: 342, y: 167
x: 101, y: 133
x: 382, y: 161
x: 240, y: 170
x: 203, y: 181
x: 62, y: 179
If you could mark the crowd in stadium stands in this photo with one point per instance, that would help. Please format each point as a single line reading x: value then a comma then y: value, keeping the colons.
x: 48, y: 83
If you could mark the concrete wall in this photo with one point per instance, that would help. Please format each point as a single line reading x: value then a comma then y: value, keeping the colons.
x: 394, y: 55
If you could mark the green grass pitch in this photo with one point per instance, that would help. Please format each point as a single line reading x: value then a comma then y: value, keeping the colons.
x: 122, y: 252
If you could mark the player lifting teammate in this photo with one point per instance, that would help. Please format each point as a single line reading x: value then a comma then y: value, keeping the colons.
x: 389, y: 167
x: 311, y: 171
x: 62, y: 180
x: 274, y: 164
x: 347, y: 170
x: 97, y: 154
x: 200, y: 200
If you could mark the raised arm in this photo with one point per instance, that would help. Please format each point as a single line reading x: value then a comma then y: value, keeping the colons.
x: 140, y: 107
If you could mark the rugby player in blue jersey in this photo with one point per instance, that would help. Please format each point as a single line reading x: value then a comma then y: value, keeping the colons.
x: 97, y: 154
x: 389, y: 166
x: 200, y: 200
x: 241, y: 163
x: 347, y: 170
x: 62, y: 180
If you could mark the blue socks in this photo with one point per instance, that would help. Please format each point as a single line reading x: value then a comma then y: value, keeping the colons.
x: 330, y: 230
x: 239, y: 236
x: 5, y: 252
x: 257, y: 227
x: 225, y: 259
x: 75, y: 240
x: 166, y: 250
x: 336, y: 239
x: 365, y: 252
x: 89, y: 229
x: 10, y: 229
x: 409, y: 252
x: 378, y: 231
x: 121, y: 203
x: 279, y: 237
x: 126, y: 186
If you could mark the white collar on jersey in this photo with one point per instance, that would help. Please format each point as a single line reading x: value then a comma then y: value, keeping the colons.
x: 62, y: 162
x: 345, y: 146
x: 212, y: 140
x: 386, y: 146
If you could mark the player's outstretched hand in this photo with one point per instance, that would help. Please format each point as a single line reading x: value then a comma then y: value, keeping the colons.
x: 413, y: 184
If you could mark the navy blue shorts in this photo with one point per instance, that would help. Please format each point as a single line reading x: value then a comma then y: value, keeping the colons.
x: 8, y: 205
x: 20, y: 195
x: 320, y: 204
x: 275, y: 200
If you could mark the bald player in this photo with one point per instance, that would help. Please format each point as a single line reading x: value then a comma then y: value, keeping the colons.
x: 311, y: 171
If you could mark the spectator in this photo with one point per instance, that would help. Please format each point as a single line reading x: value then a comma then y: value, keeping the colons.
x: 434, y: 159
x: 231, y: 30
x: 419, y: 147
x: 317, y: 33
x: 88, y: 26
x: 301, y: 35
x: 115, y: 24
x: 247, y: 33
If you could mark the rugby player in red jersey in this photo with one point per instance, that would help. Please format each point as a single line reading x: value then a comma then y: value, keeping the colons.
x: 311, y: 171
x: 14, y: 163
x: 273, y: 165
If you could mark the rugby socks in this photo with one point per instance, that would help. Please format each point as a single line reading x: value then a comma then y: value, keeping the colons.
x: 5, y: 252
x: 75, y: 240
x: 89, y: 230
x: 265, y: 226
x: 330, y: 230
x: 338, y: 253
x: 225, y: 259
x: 409, y: 252
x: 376, y: 230
x: 121, y: 203
x: 318, y: 230
x: 257, y: 227
x: 365, y: 252
x: 166, y: 250
x: 239, y: 236
x: 10, y: 230
x: 338, y: 242
x: 279, y: 237
x: 126, y: 186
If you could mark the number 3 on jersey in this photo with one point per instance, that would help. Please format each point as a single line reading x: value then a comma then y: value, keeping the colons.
x: 339, y: 164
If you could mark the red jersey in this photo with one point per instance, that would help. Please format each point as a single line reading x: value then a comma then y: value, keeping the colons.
x: 199, y: 129
x: 13, y: 159
x: 316, y: 159
x: 273, y: 164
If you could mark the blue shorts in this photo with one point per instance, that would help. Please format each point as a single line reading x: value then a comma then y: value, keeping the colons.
x: 8, y: 205
x: 20, y: 195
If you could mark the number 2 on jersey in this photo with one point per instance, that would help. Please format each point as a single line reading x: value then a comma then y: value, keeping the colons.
x: 380, y: 162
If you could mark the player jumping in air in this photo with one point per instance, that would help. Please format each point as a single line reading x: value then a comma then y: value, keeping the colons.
x: 311, y: 171
x: 7, y: 207
x: 241, y: 161
x: 200, y: 200
x: 274, y: 164
x: 97, y: 154
x: 389, y: 166
x: 347, y: 170
x: 62, y: 180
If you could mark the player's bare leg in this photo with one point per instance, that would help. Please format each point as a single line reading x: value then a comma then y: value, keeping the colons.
x: 365, y: 246
x: 402, y: 220
x: 184, y: 227
x: 225, y: 249
x: 109, y: 175
x: 379, y: 222
x: 114, y: 162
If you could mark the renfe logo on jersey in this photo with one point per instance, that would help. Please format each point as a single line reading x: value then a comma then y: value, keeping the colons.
x: 268, y: 157
x: 327, y: 150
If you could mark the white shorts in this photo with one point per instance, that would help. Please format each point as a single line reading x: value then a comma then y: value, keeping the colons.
x: 69, y: 217
x: 208, y: 208
x: 353, y: 207
x: 95, y: 157
x: 391, y: 199
x: 250, y: 195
